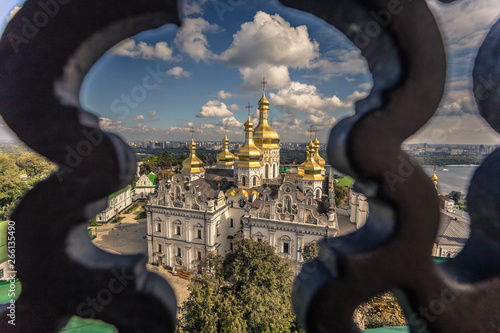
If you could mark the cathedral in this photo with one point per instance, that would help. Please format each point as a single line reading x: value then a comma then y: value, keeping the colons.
x: 201, y: 210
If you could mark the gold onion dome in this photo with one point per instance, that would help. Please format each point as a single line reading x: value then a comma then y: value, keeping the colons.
x: 265, y: 136
x: 192, y: 164
x: 434, y: 177
x: 225, y: 157
x: 317, y: 157
x: 311, y: 169
x: 249, y: 156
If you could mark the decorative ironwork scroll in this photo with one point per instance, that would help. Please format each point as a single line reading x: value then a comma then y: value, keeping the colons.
x: 46, y: 51
x: 404, y: 50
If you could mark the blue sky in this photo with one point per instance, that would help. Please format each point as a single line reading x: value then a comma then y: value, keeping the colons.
x: 212, y: 67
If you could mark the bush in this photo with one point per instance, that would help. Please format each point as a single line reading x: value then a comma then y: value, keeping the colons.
x: 131, y: 209
x: 118, y: 219
x: 142, y: 215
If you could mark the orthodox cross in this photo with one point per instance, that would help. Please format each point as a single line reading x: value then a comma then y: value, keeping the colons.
x: 249, y: 107
x: 264, y: 82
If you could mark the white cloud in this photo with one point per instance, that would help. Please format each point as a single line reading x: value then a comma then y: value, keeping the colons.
x: 139, y: 118
x: 142, y: 50
x: 356, y: 96
x: 152, y: 116
x: 366, y: 86
x: 214, y: 109
x: 223, y: 95
x: 13, y: 12
x: 276, y: 76
x: 230, y: 122
x: 178, y: 72
x: 350, y: 79
x: 191, y: 38
x: 341, y: 62
x: 305, y: 98
x: 464, y: 24
x: 272, y: 40
x: 207, y: 126
x: 321, y: 120
x: 193, y: 7
x: 234, y: 107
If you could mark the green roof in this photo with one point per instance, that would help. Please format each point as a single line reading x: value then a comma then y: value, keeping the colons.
x: 80, y: 325
x: 4, y: 290
x: 151, y: 177
x: 3, y: 241
x: 346, y: 181
x: 119, y: 192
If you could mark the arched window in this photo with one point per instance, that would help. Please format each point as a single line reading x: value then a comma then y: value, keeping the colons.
x: 267, y: 171
x: 243, y: 181
x: 318, y: 194
x: 274, y: 171
x: 254, y: 181
x: 231, y: 222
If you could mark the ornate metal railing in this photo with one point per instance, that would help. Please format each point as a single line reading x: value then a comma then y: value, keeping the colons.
x: 42, y: 66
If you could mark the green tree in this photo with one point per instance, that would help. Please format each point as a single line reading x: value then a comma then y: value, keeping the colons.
x: 456, y: 196
x: 248, y: 291
x: 11, y: 185
x: 340, y: 193
x: 147, y: 167
x: 35, y: 165
x: 382, y: 310
x: 164, y: 161
x: 310, y: 251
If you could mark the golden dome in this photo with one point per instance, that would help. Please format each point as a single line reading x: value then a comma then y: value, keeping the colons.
x: 311, y: 169
x: 265, y: 136
x: 317, y: 157
x: 234, y: 191
x: 192, y: 164
x: 249, y: 156
x: 225, y: 157
x: 434, y: 177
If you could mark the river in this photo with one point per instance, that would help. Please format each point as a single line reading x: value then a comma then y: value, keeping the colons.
x: 457, y: 178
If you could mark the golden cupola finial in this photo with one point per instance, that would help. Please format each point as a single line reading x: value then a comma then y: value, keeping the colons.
x: 192, y: 164
x: 311, y: 168
x: 249, y: 156
x: 317, y: 157
x: 435, y: 178
x: 265, y: 136
x: 225, y: 157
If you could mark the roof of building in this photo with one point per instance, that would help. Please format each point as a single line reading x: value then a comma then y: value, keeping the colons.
x: 346, y: 181
x: 111, y: 196
x: 152, y: 177
x: 453, y: 230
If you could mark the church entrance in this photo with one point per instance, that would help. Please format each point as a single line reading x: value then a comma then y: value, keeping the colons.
x: 160, y: 262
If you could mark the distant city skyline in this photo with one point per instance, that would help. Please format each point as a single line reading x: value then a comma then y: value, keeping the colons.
x: 159, y: 83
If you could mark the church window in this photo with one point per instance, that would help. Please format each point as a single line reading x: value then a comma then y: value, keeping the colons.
x: 179, y: 252
x: 318, y: 195
x: 254, y: 181
x: 242, y: 203
x: 286, y: 247
x: 158, y: 227
x: 159, y: 248
x: 199, y: 233
x: 178, y: 231
x: 231, y: 246
x: 231, y: 222
x: 218, y: 230
x: 177, y: 194
x: 199, y: 256
x: 243, y: 181
x: 231, y: 204
x: 267, y: 171
x: 274, y: 171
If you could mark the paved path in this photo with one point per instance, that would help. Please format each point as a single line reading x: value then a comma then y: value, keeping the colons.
x: 129, y: 237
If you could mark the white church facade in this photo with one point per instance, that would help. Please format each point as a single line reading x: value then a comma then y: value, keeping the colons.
x: 201, y: 211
